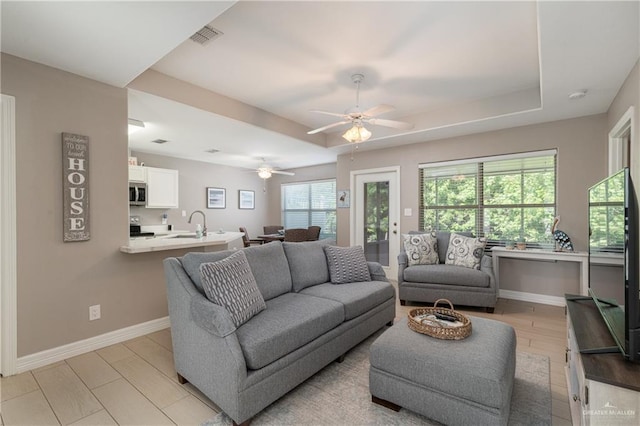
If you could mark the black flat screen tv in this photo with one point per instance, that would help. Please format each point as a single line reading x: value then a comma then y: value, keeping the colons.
x: 613, y: 244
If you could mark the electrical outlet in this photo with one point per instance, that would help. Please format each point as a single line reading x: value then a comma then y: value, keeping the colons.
x: 94, y: 312
x: 184, y: 213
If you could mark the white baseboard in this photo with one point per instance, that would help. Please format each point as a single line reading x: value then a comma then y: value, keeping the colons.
x: 532, y: 297
x: 49, y: 356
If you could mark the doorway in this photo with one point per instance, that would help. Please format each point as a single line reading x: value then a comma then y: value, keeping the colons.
x: 375, y: 216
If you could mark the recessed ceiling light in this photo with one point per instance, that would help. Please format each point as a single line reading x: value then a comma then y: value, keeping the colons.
x: 212, y: 151
x: 578, y: 95
x: 159, y: 141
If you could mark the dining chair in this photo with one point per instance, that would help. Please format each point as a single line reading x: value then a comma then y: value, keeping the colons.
x: 296, y: 235
x: 248, y: 242
x: 314, y: 233
x: 272, y: 229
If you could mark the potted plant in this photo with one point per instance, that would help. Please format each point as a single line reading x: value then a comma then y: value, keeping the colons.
x: 509, y: 244
x: 521, y: 243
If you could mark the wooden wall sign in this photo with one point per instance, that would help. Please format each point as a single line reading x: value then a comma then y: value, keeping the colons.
x: 75, y: 184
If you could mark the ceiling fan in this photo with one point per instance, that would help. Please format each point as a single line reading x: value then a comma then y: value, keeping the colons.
x: 358, y: 133
x: 265, y: 171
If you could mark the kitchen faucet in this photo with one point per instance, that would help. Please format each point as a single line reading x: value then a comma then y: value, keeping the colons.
x: 204, y: 226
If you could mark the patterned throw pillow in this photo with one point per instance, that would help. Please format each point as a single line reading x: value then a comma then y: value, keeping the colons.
x: 230, y: 283
x: 465, y: 251
x: 347, y: 264
x: 422, y: 249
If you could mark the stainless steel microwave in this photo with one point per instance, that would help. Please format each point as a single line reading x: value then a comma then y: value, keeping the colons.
x: 137, y: 194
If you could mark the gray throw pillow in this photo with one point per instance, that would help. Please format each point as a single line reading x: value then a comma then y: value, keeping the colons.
x: 421, y: 249
x: 465, y: 251
x: 230, y: 283
x: 347, y: 264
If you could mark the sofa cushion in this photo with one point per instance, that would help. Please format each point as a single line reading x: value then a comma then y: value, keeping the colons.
x: 421, y: 249
x: 307, y: 263
x: 357, y: 298
x: 289, y: 322
x: 465, y: 251
x: 268, y: 264
x: 230, y: 283
x: 447, y: 274
x: 347, y: 264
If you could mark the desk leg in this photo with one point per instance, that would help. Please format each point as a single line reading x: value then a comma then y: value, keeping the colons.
x: 584, y: 277
x: 496, y: 271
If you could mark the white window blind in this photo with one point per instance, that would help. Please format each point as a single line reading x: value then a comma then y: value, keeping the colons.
x: 307, y: 204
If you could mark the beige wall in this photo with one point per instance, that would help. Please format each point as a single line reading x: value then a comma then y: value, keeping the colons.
x: 582, y: 151
x: 56, y: 281
x: 303, y: 174
x: 629, y: 95
x: 194, y: 178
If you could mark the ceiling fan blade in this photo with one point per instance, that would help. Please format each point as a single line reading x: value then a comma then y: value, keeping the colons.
x: 340, y: 123
x: 390, y: 123
x: 378, y: 109
x: 335, y: 114
x: 280, y: 172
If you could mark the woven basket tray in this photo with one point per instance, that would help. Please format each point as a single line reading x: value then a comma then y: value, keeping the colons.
x: 437, y: 331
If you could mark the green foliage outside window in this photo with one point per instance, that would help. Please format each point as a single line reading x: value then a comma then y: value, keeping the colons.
x: 499, y: 199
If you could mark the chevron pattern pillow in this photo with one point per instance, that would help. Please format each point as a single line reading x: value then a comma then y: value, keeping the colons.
x: 347, y: 264
x: 230, y: 283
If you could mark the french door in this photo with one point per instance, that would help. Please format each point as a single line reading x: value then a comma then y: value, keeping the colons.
x: 375, y: 216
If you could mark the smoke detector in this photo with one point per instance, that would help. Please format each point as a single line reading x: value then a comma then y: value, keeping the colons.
x: 578, y: 95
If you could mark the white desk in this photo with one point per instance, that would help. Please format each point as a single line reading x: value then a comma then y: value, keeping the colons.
x: 582, y: 257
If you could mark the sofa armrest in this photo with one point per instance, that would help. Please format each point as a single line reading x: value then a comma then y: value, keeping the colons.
x: 486, y: 265
x: 213, y: 318
x: 376, y: 272
x: 403, y: 262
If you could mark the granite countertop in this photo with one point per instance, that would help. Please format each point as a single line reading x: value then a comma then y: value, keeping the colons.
x: 178, y: 240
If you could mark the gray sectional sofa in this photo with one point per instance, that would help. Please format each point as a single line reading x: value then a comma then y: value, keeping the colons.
x: 308, y: 323
x: 460, y: 285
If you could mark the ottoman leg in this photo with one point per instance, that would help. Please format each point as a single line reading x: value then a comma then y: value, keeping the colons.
x: 387, y: 404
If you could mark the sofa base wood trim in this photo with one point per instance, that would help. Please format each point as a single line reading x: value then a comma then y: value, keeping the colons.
x: 532, y: 297
x: 50, y: 356
x: 245, y: 423
x: 387, y: 404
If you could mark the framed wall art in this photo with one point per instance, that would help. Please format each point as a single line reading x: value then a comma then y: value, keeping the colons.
x: 246, y: 200
x: 216, y: 198
x: 343, y: 198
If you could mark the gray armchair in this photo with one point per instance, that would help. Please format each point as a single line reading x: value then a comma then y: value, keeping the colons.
x: 460, y: 285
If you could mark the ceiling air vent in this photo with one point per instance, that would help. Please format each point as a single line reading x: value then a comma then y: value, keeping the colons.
x: 159, y: 141
x: 205, y: 35
x: 212, y: 151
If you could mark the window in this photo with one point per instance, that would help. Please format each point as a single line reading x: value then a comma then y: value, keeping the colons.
x: 307, y: 204
x: 502, y: 198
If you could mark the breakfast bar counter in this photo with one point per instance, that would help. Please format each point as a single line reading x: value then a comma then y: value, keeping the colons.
x: 214, y: 241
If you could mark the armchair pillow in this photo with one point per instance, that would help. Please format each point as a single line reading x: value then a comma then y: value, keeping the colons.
x: 421, y: 249
x: 230, y: 283
x: 465, y: 251
x: 347, y: 264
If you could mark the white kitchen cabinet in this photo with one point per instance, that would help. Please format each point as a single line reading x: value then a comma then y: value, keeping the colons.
x: 162, y: 188
x: 137, y: 174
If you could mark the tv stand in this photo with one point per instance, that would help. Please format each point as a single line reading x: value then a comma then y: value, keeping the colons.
x: 603, y: 387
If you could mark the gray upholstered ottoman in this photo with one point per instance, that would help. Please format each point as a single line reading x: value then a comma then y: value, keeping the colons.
x: 459, y: 382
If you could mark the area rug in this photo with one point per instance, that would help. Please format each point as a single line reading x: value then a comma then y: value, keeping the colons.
x: 339, y: 395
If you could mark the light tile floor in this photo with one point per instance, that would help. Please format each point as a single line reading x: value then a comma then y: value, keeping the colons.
x: 135, y: 383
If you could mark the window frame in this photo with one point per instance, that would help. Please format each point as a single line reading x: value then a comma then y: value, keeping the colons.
x: 310, y: 210
x: 480, y: 202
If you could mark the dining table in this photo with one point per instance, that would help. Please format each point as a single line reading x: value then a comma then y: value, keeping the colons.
x: 271, y: 237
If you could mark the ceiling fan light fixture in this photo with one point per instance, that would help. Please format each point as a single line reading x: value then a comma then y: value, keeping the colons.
x: 264, y: 173
x: 358, y: 133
